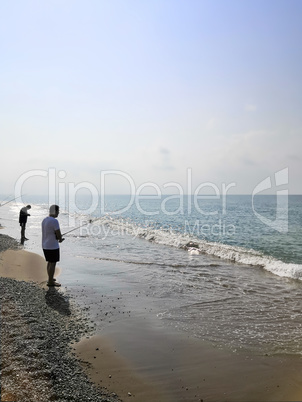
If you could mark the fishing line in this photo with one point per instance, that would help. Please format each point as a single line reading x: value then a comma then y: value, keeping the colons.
x: 6, y: 198
x: 7, y: 202
x: 84, y: 224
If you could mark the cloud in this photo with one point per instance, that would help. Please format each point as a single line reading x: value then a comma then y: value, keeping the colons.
x: 250, y: 157
x: 211, y: 124
x: 249, y: 162
x: 249, y: 107
x: 164, y: 151
x: 295, y: 157
x: 163, y: 160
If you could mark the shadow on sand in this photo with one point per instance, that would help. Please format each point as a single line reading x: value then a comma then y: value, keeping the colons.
x: 57, y: 301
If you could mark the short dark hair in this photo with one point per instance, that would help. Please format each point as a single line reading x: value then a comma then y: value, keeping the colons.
x: 28, y: 206
x: 53, y: 209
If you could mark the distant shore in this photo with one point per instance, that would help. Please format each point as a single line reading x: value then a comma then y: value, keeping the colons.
x: 41, y: 328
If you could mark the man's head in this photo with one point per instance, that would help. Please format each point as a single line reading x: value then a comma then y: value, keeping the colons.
x: 28, y: 206
x: 54, y: 210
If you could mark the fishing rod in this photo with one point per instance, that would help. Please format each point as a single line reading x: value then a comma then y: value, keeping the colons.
x: 7, y: 197
x: 84, y: 224
x: 7, y: 202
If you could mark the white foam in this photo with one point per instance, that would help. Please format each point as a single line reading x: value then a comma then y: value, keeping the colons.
x: 287, y: 270
x: 226, y: 252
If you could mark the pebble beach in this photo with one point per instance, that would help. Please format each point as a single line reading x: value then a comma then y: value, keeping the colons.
x: 38, y: 328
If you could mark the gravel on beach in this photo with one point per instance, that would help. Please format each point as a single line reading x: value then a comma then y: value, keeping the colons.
x: 38, y: 327
x: 7, y: 242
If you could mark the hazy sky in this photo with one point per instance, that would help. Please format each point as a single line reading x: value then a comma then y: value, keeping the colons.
x: 151, y: 88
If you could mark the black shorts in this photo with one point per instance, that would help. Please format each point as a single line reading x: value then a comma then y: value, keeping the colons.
x: 52, y: 255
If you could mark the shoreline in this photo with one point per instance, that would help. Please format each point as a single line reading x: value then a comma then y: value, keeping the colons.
x: 38, y: 327
x: 29, y: 268
x: 151, y: 362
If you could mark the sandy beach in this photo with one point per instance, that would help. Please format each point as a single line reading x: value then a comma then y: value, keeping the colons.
x: 38, y: 327
x: 139, y: 359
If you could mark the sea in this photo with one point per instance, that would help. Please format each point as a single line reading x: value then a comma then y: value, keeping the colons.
x: 228, y: 271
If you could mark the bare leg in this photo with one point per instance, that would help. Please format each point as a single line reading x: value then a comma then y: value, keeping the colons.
x: 51, y: 266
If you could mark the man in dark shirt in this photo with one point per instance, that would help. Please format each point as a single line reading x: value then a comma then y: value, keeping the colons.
x: 22, y: 220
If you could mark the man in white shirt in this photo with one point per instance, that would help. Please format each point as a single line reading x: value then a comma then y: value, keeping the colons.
x: 51, y: 237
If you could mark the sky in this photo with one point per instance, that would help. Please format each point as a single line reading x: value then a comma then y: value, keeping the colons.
x: 134, y: 95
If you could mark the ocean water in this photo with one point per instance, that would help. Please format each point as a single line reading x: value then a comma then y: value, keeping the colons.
x: 225, y: 270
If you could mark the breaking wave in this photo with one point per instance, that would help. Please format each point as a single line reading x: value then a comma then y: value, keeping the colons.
x: 193, y: 245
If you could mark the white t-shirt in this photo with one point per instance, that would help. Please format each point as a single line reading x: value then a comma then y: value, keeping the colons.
x: 49, y: 240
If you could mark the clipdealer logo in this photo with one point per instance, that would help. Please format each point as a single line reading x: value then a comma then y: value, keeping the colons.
x: 280, y: 222
x: 186, y: 199
x: 65, y: 194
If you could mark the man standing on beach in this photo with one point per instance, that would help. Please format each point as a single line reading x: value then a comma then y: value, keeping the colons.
x: 22, y: 220
x: 51, y: 237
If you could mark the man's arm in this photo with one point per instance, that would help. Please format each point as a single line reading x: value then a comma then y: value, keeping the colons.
x: 59, y: 235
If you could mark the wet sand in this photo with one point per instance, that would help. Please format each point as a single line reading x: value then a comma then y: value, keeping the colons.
x: 109, y: 369
x: 24, y: 266
x: 138, y: 358
x: 183, y: 368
